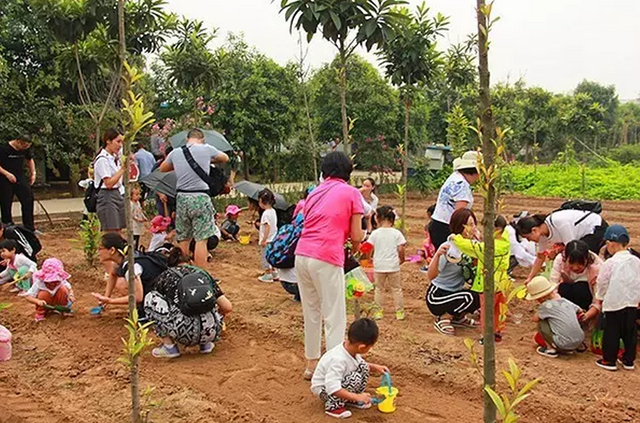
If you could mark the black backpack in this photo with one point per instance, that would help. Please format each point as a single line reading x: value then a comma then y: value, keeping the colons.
x: 581, y: 205
x: 91, y: 197
x: 195, y: 293
x: 28, y: 242
x: 216, y: 179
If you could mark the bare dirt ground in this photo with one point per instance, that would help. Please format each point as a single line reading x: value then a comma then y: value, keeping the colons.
x: 65, y: 370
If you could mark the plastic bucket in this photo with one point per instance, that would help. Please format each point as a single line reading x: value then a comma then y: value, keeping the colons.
x: 5, y: 344
x: 245, y: 239
x: 389, y: 403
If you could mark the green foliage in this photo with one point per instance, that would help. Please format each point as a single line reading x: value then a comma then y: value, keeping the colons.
x: 137, y: 341
x: 613, y: 182
x: 626, y: 154
x: 90, y: 238
x: 458, y: 131
x: 425, y: 180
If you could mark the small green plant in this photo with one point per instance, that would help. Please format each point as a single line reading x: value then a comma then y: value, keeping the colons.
x: 148, y: 403
x: 505, y: 403
x: 4, y: 306
x: 90, y: 238
x: 137, y: 341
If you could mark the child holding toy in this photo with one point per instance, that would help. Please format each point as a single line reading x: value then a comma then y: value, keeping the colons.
x: 466, y: 243
x: 558, y: 326
x: 388, y: 253
x: 342, y: 374
x: 50, y: 287
x: 230, y: 228
x: 618, y: 295
x: 268, y: 231
x: 18, y: 268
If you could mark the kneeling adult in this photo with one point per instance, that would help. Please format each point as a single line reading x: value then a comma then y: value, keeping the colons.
x: 165, y: 306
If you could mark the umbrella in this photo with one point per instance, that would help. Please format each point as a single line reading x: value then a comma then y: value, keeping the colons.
x: 251, y: 190
x: 161, y: 182
x: 213, y: 138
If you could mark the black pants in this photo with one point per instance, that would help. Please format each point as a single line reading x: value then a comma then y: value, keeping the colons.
x: 22, y: 190
x: 441, y: 302
x: 577, y: 292
x: 136, y: 242
x: 619, y: 325
x: 292, y: 288
x: 595, y: 240
x: 439, y: 232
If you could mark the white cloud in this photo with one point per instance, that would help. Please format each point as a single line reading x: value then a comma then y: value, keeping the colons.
x: 551, y: 43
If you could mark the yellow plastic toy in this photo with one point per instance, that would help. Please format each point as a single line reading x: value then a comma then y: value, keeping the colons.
x: 388, y: 404
x: 245, y: 239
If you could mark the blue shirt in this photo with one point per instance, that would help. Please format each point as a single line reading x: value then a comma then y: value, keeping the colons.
x: 145, y: 162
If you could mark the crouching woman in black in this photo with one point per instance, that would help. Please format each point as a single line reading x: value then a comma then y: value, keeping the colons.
x: 163, y: 306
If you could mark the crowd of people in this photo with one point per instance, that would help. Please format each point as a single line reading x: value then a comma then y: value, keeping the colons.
x: 592, y: 275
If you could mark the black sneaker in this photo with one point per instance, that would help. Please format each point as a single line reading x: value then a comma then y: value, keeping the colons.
x: 627, y: 365
x: 607, y: 366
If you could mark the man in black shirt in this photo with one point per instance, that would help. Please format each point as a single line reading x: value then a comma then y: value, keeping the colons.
x: 14, y: 181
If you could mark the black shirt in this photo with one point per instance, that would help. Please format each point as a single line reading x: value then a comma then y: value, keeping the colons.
x: 12, y: 160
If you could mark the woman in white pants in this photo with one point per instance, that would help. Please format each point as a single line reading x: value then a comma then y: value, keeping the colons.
x: 332, y: 214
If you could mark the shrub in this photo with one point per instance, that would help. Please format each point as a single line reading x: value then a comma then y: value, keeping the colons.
x: 626, y: 154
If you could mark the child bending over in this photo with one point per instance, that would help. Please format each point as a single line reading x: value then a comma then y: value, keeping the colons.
x: 230, y: 227
x: 18, y: 267
x: 558, y: 326
x: 388, y: 254
x: 50, y: 287
x: 342, y: 374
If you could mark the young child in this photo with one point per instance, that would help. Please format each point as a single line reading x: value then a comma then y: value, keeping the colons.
x: 50, y: 287
x: 475, y: 249
x: 138, y: 216
x: 230, y: 228
x: 268, y: 231
x: 18, y: 269
x: 159, y: 230
x: 342, y: 374
x: 427, y: 249
x: 558, y: 326
x: 388, y: 254
x: 618, y: 295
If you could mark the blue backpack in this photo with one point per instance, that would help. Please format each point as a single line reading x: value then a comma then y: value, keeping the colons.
x: 281, y: 251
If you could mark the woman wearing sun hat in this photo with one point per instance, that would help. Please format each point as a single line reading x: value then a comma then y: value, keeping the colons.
x: 50, y: 287
x: 454, y: 194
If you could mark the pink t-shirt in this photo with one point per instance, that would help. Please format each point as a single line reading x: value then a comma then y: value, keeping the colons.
x: 327, y: 221
x: 299, y: 207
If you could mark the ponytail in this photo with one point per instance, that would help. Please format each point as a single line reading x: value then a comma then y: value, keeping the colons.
x: 526, y: 224
x: 176, y: 257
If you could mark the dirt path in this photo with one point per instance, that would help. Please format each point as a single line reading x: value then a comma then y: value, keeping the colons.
x: 66, y: 370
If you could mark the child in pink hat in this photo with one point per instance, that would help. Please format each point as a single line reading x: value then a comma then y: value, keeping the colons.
x: 160, y: 232
x: 230, y: 227
x: 50, y: 287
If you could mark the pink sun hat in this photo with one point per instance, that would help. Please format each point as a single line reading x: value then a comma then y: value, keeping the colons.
x: 232, y: 210
x: 160, y: 224
x: 52, y: 271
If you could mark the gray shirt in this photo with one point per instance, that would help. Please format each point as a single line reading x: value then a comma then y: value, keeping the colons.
x: 450, y: 275
x: 157, y: 145
x: 563, y: 320
x: 188, y: 179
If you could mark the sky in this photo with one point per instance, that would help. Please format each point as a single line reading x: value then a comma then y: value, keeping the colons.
x: 554, y: 44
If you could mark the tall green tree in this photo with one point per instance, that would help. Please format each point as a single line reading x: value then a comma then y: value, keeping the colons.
x: 346, y: 24
x: 410, y: 59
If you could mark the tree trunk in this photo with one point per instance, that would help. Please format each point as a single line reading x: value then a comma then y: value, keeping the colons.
x: 342, y: 74
x: 489, y: 152
x: 405, y: 163
x: 312, y: 137
x: 135, y: 397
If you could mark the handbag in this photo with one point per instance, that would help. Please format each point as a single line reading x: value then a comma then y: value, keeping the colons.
x: 216, y: 179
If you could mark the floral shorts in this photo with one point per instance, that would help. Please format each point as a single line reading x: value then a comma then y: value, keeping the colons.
x: 195, y: 217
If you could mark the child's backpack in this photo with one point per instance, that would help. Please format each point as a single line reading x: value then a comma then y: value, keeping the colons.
x: 285, y: 217
x: 280, y: 252
x: 581, y: 205
x: 195, y: 293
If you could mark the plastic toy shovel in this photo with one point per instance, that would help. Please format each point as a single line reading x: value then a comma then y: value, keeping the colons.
x: 97, y: 310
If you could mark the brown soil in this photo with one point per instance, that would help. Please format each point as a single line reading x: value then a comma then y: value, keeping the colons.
x: 65, y: 370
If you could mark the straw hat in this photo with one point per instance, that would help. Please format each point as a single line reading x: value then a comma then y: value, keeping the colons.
x: 469, y: 160
x: 539, y: 287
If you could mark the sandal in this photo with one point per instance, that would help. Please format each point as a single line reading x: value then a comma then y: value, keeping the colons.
x: 444, y: 327
x: 465, y: 322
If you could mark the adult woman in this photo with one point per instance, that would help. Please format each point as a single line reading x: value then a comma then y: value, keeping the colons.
x: 112, y: 253
x: 368, y: 193
x: 107, y: 178
x: 455, y: 194
x: 446, y: 295
x: 332, y: 213
x: 576, y: 271
x: 162, y: 306
x: 554, y: 231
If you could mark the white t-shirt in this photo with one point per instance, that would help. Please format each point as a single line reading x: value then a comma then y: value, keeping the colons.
x: 157, y: 240
x: 38, y: 286
x: 105, y: 166
x: 455, y: 188
x: 563, y: 228
x: 618, y: 285
x: 271, y: 218
x: 524, y: 251
x: 385, y: 243
x: 334, y: 365
x: 373, y: 204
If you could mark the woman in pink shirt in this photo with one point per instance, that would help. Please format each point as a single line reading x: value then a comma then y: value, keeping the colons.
x: 332, y: 214
x: 576, y: 271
